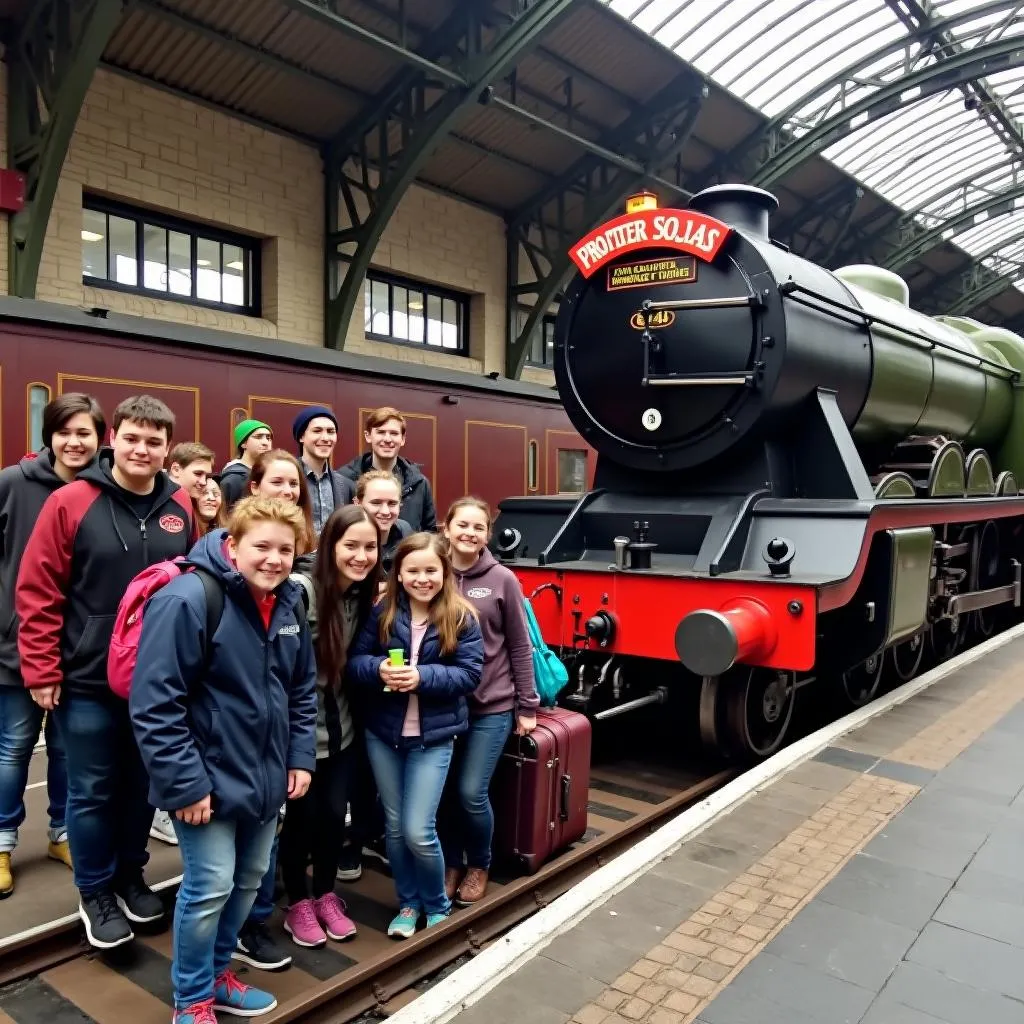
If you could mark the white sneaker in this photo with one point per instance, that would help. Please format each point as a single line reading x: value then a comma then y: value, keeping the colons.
x: 162, y: 828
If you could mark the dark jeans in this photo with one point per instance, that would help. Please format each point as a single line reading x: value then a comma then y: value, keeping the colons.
x: 224, y: 861
x: 466, y: 819
x: 313, y: 829
x: 109, y: 813
x: 20, y: 720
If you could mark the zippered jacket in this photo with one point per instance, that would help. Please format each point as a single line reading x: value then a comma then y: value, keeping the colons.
x: 87, y: 546
x: 234, y: 728
x: 445, y: 680
x: 417, y: 498
x: 24, y: 489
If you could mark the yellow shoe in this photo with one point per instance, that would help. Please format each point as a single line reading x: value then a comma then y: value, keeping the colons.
x: 60, y: 851
x: 6, y: 878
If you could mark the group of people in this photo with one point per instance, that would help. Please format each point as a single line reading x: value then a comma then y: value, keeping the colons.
x: 349, y: 692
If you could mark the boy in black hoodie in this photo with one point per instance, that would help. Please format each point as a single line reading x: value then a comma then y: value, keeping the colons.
x: 93, y: 537
x: 72, y: 428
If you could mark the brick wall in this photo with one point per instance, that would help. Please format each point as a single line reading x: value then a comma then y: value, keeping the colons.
x: 146, y: 146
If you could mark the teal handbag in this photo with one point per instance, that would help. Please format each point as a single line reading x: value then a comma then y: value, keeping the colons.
x: 549, y: 674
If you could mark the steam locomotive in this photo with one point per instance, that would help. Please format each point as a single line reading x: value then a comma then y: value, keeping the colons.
x: 799, y: 480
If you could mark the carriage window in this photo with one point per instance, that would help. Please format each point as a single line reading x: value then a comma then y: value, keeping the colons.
x: 38, y: 399
x: 531, y: 466
x: 572, y: 471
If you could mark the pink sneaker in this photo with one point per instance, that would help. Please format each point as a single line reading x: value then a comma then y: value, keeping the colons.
x: 330, y: 912
x: 301, y: 924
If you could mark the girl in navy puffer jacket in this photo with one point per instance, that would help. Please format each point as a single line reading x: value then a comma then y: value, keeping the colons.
x: 414, y: 711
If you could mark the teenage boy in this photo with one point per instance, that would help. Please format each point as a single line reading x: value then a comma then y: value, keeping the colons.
x: 93, y: 536
x: 73, y: 427
x: 191, y: 466
x: 385, y: 434
x: 252, y: 439
x: 316, y: 432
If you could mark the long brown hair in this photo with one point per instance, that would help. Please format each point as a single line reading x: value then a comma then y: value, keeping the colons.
x: 219, y: 520
x: 331, y: 652
x: 259, y: 470
x: 449, y: 611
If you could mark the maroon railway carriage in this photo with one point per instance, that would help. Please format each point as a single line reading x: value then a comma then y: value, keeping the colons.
x: 468, y: 433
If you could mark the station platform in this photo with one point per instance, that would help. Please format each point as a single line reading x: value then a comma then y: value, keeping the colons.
x: 880, y: 881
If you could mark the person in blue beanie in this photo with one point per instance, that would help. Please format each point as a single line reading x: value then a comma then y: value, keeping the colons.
x: 315, y: 430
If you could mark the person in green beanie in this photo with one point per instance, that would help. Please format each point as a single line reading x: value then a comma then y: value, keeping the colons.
x: 252, y: 439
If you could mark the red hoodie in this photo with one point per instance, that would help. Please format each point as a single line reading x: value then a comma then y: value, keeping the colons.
x: 507, y: 681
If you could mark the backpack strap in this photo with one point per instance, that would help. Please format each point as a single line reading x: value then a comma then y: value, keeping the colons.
x: 306, y: 586
x: 213, y: 591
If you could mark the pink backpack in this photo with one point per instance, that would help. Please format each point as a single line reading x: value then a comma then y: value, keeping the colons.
x: 124, y: 644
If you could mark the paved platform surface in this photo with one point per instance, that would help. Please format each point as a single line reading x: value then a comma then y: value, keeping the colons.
x: 881, y: 882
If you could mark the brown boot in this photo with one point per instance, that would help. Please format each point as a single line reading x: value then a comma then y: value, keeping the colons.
x: 6, y: 876
x: 452, y: 877
x: 473, y: 887
x: 60, y: 851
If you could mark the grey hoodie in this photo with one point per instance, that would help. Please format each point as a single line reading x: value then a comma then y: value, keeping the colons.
x: 24, y: 489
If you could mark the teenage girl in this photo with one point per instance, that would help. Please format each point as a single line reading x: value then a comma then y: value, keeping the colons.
x: 195, y: 723
x: 506, y: 697
x: 278, y: 474
x: 209, y: 508
x: 380, y: 493
x: 413, y: 712
x: 340, y: 591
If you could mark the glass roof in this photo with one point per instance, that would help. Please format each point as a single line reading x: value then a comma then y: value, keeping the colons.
x: 939, y: 153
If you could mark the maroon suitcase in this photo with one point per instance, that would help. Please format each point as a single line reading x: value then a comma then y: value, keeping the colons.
x: 540, y: 789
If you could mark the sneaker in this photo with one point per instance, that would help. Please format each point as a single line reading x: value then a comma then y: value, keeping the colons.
x: 197, y: 1013
x: 433, y: 919
x: 301, y: 924
x: 233, y: 997
x: 162, y: 828
x: 473, y: 887
x: 60, y: 851
x: 452, y: 878
x: 403, y: 926
x: 106, y: 927
x: 330, y: 912
x: 378, y: 848
x: 350, y: 864
x: 6, y: 878
x: 256, y: 947
x: 139, y: 903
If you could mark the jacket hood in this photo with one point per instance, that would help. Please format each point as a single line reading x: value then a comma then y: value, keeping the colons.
x: 236, y: 467
x: 209, y: 553
x: 481, y: 567
x: 410, y: 473
x: 38, y: 467
x: 101, y: 473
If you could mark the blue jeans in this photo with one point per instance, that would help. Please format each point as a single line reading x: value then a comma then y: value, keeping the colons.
x: 410, y: 781
x: 467, y: 819
x: 224, y: 862
x: 20, y: 720
x: 263, y: 906
x: 109, y: 813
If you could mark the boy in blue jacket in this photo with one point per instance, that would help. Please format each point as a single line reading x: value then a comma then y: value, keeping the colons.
x: 226, y: 741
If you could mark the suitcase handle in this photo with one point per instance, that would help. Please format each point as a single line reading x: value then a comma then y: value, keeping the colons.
x: 566, y: 791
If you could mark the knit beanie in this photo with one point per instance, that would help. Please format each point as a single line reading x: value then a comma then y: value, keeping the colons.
x: 247, y: 427
x: 310, y: 413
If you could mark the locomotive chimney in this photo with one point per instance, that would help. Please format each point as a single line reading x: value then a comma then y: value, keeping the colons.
x: 741, y: 206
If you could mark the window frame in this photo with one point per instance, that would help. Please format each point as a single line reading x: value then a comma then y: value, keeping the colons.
x: 251, y: 247
x: 546, y: 326
x: 428, y: 290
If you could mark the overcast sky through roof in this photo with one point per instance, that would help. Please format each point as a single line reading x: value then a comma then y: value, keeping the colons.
x: 932, y: 155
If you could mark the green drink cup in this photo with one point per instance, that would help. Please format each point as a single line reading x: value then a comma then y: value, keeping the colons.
x: 396, y: 655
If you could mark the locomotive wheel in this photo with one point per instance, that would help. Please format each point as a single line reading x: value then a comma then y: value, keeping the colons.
x: 945, y: 638
x: 860, y: 683
x: 759, y: 708
x: 986, y: 619
x: 906, y: 657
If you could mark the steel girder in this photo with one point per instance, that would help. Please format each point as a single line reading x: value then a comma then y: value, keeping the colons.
x: 390, y: 142
x: 822, y: 116
x: 818, y: 228
x: 542, y: 229
x: 51, y: 61
x: 978, y: 292
x: 959, y: 289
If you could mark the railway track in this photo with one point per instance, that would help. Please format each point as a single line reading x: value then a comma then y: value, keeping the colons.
x: 51, y: 971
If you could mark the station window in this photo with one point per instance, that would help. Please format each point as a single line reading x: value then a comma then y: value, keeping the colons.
x: 411, y: 313
x: 132, y: 250
x: 542, y: 344
x: 572, y: 471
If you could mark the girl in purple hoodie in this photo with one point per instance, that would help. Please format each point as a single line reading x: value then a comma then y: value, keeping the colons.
x: 506, y: 697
